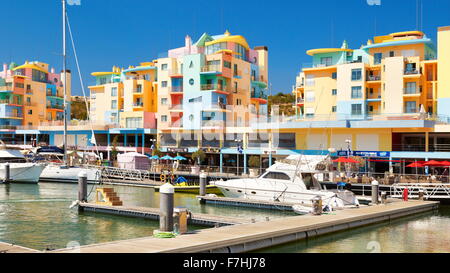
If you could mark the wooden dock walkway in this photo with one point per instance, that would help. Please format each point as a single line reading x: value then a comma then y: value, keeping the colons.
x: 240, y: 202
x: 153, y: 214
x: 9, y: 248
x: 249, y: 237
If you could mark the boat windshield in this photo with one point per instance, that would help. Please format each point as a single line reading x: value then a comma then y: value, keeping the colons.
x: 310, y: 181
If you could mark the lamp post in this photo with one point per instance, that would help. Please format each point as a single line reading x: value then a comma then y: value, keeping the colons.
x: 239, y: 151
x: 349, y: 151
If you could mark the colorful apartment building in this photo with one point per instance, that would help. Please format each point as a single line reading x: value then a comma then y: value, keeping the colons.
x: 210, y: 87
x: 32, y: 94
x: 394, y: 74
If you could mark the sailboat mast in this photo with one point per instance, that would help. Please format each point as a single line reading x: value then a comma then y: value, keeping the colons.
x: 65, y: 80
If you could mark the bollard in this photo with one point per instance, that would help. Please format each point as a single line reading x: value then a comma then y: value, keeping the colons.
x: 7, y: 173
x: 405, y: 194
x: 375, y: 192
x: 166, y: 208
x: 383, y: 198
x: 317, y: 205
x: 203, y: 182
x: 421, y: 194
x: 82, y: 186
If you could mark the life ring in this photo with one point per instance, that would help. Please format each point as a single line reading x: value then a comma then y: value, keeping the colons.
x: 163, y: 177
x: 172, y: 177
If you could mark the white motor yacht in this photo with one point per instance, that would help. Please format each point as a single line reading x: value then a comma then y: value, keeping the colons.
x: 61, y: 173
x: 294, y: 180
x: 19, y: 169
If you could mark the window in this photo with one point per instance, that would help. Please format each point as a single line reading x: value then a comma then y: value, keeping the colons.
x: 356, y: 109
x: 309, y: 96
x: 227, y: 64
x: 391, y: 53
x: 235, y: 87
x: 411, y: 88
x: 114, y: 92
x: 370, y: 108
x: 327, y: 61
x: 163, y: 101
x: 377, y: 58
x: 30, y: 112
x: 277, y: 176
x: 334, y: 92
x: 241, y: 50
x: 114, y: 104
x: 235, y: 70
x: 310, y: 80
x: 164, y: 84
x: 356, y: 92
x: 333, y: 109
x: 38, y: 76
x: 334, y: 75
x: 135, y: 122
x: 114, y: 118
x: 356, y: 74
x: 163, y: 67
x: 410, y: 107
x: 139, y: 88
x: 164, y: 118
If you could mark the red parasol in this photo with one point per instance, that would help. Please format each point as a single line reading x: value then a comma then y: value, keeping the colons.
x: 345, y: 160
x: 434, y: 163
x: 415, y: 165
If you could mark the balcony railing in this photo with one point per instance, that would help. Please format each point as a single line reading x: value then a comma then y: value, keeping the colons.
x: 373, y: 78
x: 211, y: 68
x: 411, y: 91
x: 176, y: 107
x: 218, y: 87
x: 411, y: 72
x: 176, y: 124
x: 175, y: 72
x: 55, y: 106
x: 300, y: 101
x: 213, y: 123
x: 50, y: 94
x: 137, y: 90
x: 13, y: 115
x: 176, y: 89
x: 138, y: 104
x: 258, y: 95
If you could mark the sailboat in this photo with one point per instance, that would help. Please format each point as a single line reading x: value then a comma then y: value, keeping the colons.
x: 66, y: 173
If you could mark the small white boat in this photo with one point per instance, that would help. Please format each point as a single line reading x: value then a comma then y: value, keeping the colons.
x: 60, y: 173
x: 294, y: 180
x: 19, y: 169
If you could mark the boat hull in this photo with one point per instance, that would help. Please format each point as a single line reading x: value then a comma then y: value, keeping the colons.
x: 195, y: 189
x: 22, y: 172
x: 279, y: 192
x: 54, y: 173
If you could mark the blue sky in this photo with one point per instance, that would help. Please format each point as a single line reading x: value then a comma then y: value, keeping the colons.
x: 126, y: 32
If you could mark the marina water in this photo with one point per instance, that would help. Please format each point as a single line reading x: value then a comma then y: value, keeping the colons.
x: 38, y: 216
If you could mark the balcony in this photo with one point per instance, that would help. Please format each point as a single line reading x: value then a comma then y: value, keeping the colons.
x: 176, y: 89
x: 176, y: 73
x: 29, y: 91
x: 411, y: 73
x: 137, y: 91
x: 213, y: 123
x: 177, y: 124
x: 373, y: 78
x: 138, y: 104
x: 214, y: 87
x: 55, y: 95
x: 215, y: 69
x: 300, y: 101
x: 411, y: 91
x: 55, y: 107
x: 176, y: 107
x: 261, y: 96
x: 13, y: 115
x: 10, y: 102
x: 259, y: 81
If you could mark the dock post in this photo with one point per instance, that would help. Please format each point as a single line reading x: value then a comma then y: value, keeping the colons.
x: 7, y: 173
x: 203, y: 179
x: 375, y: 192
x: 82, y: 186
x: 166, y: 208
x: 383, y: 197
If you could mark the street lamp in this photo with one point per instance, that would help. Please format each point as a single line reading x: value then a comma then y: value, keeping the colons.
x: 239, y: 150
